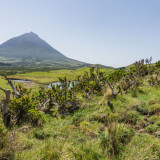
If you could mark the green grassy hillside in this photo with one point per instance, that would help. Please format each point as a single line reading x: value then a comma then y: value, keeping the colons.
x: 134, y: 129
x: 102, y: 117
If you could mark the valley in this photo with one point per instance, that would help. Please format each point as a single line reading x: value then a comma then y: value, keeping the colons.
x: 53, y: 75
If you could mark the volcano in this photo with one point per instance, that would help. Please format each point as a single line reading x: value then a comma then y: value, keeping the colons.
x: 30, y: 49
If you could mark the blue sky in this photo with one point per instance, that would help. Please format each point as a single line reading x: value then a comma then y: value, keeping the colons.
x: 109, y: 32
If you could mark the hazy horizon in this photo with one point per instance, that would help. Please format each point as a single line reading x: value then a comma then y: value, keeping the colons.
x: 108, y: 32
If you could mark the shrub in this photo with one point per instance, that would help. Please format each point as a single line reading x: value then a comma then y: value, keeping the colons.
x: 34, y: 116
x: 65, y: 97
x: 24, y: 110
x: 158, y: 64
x: 91, y: 82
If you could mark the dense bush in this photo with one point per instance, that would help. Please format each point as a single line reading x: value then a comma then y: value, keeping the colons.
x: 65, y: 97
x: 91, y: 82
x: 24, y: 110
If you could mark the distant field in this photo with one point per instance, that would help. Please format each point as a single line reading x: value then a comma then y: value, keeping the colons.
x: 4, y: 85
x: 44, y: 77
x: 52, y: 76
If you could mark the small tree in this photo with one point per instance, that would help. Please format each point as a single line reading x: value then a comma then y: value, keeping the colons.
x: 113, y: 78
x: 5, y: 105
x: 91, y: 82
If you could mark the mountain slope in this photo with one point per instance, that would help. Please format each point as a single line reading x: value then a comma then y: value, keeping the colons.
x: 30, y: 49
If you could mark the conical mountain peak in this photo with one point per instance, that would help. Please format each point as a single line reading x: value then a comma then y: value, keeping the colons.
x: 31, y: 48
x: 30, y: 35
x: 29, y: 44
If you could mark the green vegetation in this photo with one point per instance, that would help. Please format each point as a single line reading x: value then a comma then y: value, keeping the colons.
x: 53, y: 75
x: 111, y: 116
x: 3, y: 83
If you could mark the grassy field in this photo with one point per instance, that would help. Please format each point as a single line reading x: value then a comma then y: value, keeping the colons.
x: 4, y: 85
x: 44, y: 77
x: 94, y: 132
x: 104, y: 127
x: 52, y: 76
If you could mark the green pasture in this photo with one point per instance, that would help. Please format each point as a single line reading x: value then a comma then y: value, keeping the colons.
x: 4, y: 85
x: 52, y: 76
